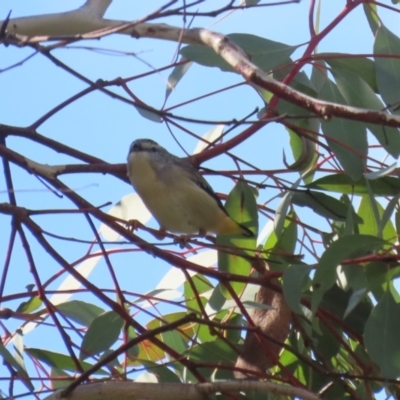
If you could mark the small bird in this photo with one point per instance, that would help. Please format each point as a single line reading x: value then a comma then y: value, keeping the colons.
x: 177, y: 195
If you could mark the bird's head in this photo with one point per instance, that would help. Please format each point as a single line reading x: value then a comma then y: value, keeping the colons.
x: 145, y: 145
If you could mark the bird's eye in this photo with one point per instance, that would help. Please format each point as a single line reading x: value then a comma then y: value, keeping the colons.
x: 153, y: 149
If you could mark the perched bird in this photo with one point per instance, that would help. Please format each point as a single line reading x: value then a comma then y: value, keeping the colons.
x: 179, y: 198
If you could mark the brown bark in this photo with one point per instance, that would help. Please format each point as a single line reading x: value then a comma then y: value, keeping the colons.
x: 259, y: 352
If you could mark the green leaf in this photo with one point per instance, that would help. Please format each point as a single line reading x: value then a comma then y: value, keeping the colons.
x: 211, y: 136
x: 326, y: 343
x: 304, y: 152
x: 319, y: 74
x: 362, y: 67
x: 202, y: 285
x: 31, y: 305
x: 266, y: 54
x: 102, y: 333
x: 347, y: 139
x: 60, y: 379
x: 79, y: 311
x: 397, y: 220
x: 295, y: 281
x: 14, y: 364
x: 379, y: 277
x: 279, y: 250
x: 340, y: 183
x: 173, y: 340
x: 373, y: 203
x: 176, y: 75
x: 148, y: 351
x: 251, y: 305
x: 162, y: 372
x: 337, y: 300
x: 359, y: 94
x: 352, y: 279
x: 355, y: 299
x: 242, y: 207
x: 19, y: 349
x: 371, y: 11
x: 380, y: 173
x: 146, y: 112
x: 382, y: 336
x: 300, y: 83
x: 214, y: 352
x: 350, y: 225
x: 388, y: 68
x: 177, y: 339
x: 323, y: 205
x: 133, y: 351
x: 345, y: 247
x: 216, y: 300
x: 57, y: 360
x: 281, y: 212
x: 371, y: 225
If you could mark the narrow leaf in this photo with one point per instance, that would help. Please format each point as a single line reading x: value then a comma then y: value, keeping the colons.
x: 148, y: 114
x: 14, y: 363
x: 345, y: 247
x: 387, y: 214
x: 371, y: 11
x: 176, y: 75
x: 281, y: 212
x: 80, y: 311
x: 373, y: 204
x: 324, y: 205
x: 242, y: 207
x: 358, y: 93
x: 347, y: 139
x: 340, y: 183
x: 102, y: 333
x: 388, y: 68
x: 362, y: 67
x: 266, y: 54
x: 209, y: 137
x: 381, y: 172
x: 295, y: 279
x: 57, y: 360
x: 382, y: 336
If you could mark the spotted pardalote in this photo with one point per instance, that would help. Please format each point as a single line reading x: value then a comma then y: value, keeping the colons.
x: 177, y: 195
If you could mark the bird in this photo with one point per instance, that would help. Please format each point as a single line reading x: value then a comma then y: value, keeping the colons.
x: 176, y: 194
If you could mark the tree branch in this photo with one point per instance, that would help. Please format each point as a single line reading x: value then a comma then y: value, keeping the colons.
x: 176, y: 391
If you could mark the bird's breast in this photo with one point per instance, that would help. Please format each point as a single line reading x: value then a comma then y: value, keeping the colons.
x: 142, y: 173
x: 177, y: 202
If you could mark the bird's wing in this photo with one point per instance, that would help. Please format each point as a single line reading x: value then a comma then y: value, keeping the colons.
x: 202, y: 183
x: 195, y: 176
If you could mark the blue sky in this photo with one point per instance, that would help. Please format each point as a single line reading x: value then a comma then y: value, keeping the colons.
x: 104, y: 127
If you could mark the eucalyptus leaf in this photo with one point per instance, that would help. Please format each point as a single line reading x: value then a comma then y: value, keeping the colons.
x: 347, y: 139
x: 382, y: 336
x: 340, y: 183
x: 359, y: 94
x: 265, y: 53
x: 345, y: 247
x: 102, y: 333
x: 388, y: 68
x: 324, y: 205
x: 241, y: 206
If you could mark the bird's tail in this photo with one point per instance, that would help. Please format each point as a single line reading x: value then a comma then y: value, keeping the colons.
x: 230, y: 227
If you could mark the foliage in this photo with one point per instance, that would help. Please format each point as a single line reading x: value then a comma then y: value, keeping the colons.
x: 327, y: 223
